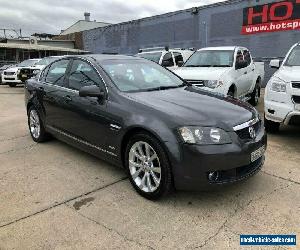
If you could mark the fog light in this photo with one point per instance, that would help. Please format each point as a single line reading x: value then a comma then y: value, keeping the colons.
x: 213, y: 176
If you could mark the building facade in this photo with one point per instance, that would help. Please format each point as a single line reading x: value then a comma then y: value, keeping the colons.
x: 250, y: 23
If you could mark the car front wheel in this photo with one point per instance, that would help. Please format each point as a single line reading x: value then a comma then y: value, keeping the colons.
x: 271, y: 127
x: 36, y: 127
x: 148, y: 167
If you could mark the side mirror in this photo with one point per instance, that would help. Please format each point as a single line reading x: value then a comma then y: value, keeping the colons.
x: 91, y: 91
x: 167, y: 63
x: 241, y: 64
x: 275, y: 64
x: 180, y: 63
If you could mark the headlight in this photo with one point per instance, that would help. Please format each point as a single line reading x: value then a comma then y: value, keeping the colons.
x: 35, y: 72
x: 278, y: 85
x: 204, y: 135
x: 212, y: 83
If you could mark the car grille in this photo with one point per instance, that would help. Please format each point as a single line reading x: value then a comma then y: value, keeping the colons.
x: 296, y: 85
x: 9, y: 73
x: 197, y: 83
x: 244, y: 133
x: 296, y: 98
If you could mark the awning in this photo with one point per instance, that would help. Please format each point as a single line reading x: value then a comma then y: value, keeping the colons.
x: 39, y: 47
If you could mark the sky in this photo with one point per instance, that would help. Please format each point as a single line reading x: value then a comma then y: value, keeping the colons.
x: 52, y: 16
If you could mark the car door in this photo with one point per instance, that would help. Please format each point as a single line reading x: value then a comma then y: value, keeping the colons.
x: 241, y: 79
x: 51, y: 89
x: 88, y: 119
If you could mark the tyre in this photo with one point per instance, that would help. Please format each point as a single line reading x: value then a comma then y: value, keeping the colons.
x: 255, y: 95
x: 36, y: 127
x: 231, y: 93
x: 148, y: 167
x: 12, y: 85
x: 271, y: 127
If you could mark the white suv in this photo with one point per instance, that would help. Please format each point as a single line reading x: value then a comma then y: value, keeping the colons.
x: 169, y: 58
x: 11, y: 76
x: 282, y: 96
x: 226, y: 70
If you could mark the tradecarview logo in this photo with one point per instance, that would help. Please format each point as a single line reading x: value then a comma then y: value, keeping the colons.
x: 272, y: 17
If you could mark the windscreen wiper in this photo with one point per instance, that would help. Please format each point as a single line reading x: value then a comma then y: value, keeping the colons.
x: 165, y: 87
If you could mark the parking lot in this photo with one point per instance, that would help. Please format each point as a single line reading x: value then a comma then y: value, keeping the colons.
x: 56, y: 197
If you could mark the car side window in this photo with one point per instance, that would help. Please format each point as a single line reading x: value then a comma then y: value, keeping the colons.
x: 83, y: 74
x: 168, y: 57
x: 247, y: 57
x: 56, y: 72
x: 178, y: 57
x: 239, y: 57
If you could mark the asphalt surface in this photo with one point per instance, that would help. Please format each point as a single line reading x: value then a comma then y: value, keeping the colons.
x: 53, y: 196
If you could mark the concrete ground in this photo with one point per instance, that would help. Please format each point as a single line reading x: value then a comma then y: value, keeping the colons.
x: 53, y: 196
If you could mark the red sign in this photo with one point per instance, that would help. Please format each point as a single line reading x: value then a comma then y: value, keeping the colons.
x: 272, y: 17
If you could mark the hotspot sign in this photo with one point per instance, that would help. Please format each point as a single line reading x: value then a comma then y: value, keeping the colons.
x: 272, y: 17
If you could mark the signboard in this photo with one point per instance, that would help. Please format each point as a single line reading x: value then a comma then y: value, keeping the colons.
x: 272, y: 17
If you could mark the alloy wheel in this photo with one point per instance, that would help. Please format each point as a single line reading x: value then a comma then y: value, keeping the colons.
x: 34, y: 124
x: 144, y: 166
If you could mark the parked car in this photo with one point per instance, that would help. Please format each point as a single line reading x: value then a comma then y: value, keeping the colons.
x: 136, y: 114
x: 282, y: 94
x: 169, y: 58
x: 11, y: 75
x: 28, y: 72
x: 4, y: 67
x: 225, y: 70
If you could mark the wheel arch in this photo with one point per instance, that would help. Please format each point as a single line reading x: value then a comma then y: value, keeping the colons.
x: 135, y: 130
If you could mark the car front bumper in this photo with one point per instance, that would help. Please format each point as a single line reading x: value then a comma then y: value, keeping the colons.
x: 281, y: 112
x: 10, y: 79
x: 232, y: 163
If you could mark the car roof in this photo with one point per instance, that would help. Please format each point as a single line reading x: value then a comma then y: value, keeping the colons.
x: 103, y: 57
x: 170, y: 50
x: 220, y: 48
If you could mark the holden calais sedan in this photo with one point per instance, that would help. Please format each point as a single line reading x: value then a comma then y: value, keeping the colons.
x: 138, y: 115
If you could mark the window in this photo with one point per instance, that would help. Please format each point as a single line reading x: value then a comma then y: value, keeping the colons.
x: 247, y: 57
x: 178, y: 57
x: 168, y: 58
x: 138, y: 75
x: 294, y: 57
x: 210, y: 58
x: 239, y: 57
x: 83, y: 74
x: 155, y: 57
x: 57, y: 72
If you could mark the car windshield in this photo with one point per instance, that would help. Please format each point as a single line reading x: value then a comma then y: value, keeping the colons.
x: 46, y: 61
x: 140, y: 75
x: 211, y: 58
x: 27, y: 63
x: 294, y: 57
x: 154, y: 57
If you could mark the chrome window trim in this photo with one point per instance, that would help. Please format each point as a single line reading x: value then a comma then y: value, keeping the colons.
x: 76, y: 91
x: 246, y: 124
x: 81, y: 141
x: 85, y: 59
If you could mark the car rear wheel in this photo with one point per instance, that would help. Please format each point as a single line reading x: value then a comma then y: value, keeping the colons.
x: 12, y: 85
x: 36, y: 127
x: 148, y: 167
x: 255, y: 95
x: 271, y: 127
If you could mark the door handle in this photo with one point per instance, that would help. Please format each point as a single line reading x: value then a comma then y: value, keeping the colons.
x: 252, y: 69
x: 68, y: 98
